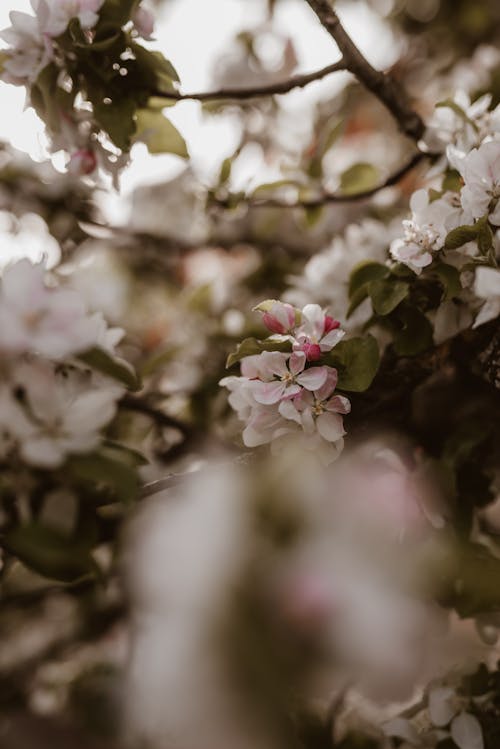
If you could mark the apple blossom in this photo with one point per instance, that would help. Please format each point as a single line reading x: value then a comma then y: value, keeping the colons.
x: 279, y: 395
x: 425, y: 232
x: 480, y: 170
x: 487, y: 287
x: 144, y: 21
x: 29, y: 50
x: 278, y: 317
x: 462, y: 123
x: 57, y: 412
x: 38, y: 319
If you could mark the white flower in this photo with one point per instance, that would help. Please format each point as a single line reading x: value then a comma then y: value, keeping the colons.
x: 464, y: 124
x: 60, y: 412
x: 424, y: 233
x: 29, y: 50
x: 480, y: 170
x: 52, y: 322
x: 55, y: 15
x: 487, y: 286
x: 144, y: 21
x: 325, y: 278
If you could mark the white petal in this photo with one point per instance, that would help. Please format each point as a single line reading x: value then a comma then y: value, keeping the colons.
x: 330, y: 426
x: 313, y: 378
x: 441, y: 709
x: 466, y: 732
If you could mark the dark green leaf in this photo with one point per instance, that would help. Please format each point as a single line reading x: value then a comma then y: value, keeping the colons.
x: 449, y: 277
x: 415, y: 333
x: 386, y: 294
x: 118, y: 369
x: 49, y: 553
x: 365, y: 272
x: 356, y: 360
x: 460, y: 236
x: 107, y: 469
x: 116, y: 118
x: 251, y: 346
x: 485, y: 238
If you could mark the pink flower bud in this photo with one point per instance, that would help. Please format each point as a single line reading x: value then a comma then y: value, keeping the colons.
x: 272, y: 323
x: 312, y: 351
x: 144, y: 22
x: 82, y: 162
x: 280, y: 318
x: 330, y: 324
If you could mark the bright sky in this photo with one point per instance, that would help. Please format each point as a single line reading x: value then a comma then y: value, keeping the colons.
x: 192, y: 33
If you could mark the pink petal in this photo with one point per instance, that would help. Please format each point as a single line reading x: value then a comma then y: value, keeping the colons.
x: 327, y: 389
x: 330, y: 426
x: 339, y: 404
x: 267, y: 393
x: 313, y: 378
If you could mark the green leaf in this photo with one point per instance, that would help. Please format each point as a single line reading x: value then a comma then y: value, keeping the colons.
x: 115, y: 14
x: 386, y: 294
x: 357, y: 298
x: 485, y: 238
x: 460, y: 236
x: 479, y: 575
x: 365, y: 272
x: 313, y: 214
x: 415, y: 334
x: 358, y: 178
x: 155, y: 67
x: 225, y: 170
x: 159, y: 134
x: 49, y: 99
x: 267, y: 187
x: 107, y: 469
x: 116, y: 118
x: 49, y: 553
x: 118, y: 369
x: 331, y: 136
x: 251, y: 346
x: 449, y: 277
x: 356, y: 360
x: 452, y: 181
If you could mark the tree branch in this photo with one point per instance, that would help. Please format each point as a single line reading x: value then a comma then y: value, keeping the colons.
x: 281, y: 87
x: 385, y: 88
x: 328, y: 197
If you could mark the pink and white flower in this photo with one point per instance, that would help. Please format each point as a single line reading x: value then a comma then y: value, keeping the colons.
x: 278, y: 317
x: 317, y: 334
x: 283, y: 376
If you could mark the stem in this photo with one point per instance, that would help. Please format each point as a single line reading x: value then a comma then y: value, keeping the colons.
x: 281, y: 87
x: 327, y: 197
x: 383, y: 86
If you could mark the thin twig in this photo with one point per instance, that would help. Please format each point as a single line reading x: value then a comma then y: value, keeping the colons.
x: 328, y: 197
x: 270, y: 89
x: 383, y: 86
x: 159, y: 417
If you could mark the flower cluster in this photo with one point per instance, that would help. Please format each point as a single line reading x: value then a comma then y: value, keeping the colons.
x: 284, y: 395
x: 456, y: 220
x: 67, y: 42
x: 325, y: 277
x: 52, y: 403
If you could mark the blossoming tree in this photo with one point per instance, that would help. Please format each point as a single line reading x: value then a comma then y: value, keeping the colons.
x: 327, y: 341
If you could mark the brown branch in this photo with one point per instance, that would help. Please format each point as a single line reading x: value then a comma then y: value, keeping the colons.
x: 328, y: 197
x: 160, y: 418
x: 383, y: 86
x: 281, y: 87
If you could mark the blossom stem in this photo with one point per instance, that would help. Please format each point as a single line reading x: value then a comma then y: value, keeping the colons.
x: 388, y: 91
x: 271, y: 89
